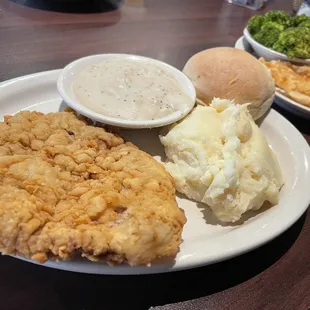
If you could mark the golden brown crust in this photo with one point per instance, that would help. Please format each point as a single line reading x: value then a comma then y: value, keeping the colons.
x: 233, y: 74
x: 293, y: 79
x: 67, y: 188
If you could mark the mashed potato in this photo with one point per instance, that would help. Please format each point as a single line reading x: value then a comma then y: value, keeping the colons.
x: 218, y: 156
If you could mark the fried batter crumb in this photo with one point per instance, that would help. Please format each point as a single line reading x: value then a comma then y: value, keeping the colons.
x: 67, y: 188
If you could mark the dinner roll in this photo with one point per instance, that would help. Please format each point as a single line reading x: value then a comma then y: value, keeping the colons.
x: 230, y: 73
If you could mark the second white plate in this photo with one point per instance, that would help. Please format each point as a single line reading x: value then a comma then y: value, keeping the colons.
x: 281, y: 99
x: 205, y: 241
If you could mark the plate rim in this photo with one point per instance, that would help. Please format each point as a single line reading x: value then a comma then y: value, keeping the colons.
x: 287, y: 102
x: 200, y: 261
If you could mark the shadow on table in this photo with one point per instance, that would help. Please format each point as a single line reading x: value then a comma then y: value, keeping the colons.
x: 72, y: 6
x: 44, y: 288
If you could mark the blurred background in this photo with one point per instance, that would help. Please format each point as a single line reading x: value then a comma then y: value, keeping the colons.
x: 74, y: 6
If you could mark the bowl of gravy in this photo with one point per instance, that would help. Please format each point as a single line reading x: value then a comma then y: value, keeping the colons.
x: 126, y: 91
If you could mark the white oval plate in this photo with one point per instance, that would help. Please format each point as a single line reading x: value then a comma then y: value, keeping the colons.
x: 204, y: 240
x: 281, y: 99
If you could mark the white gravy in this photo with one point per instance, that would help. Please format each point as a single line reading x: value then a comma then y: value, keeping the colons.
x: 129, y: 89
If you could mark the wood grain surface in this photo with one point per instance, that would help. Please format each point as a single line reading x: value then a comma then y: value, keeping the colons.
x: 42, y: 35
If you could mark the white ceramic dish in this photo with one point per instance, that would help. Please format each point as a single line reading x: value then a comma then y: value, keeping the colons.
x: 280, y: 99
x: 68, y: 74
x: 205, y: 241
x: 268, y: 53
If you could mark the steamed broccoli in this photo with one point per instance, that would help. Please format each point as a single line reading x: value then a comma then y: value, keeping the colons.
x: 305, y: 24
x: 268, y: 34
x: 299, y: 19
x: 272, y: 25
x: 255, y: 23
x: 278, y: 17
x: 285, y: 34
x: 294, y: 42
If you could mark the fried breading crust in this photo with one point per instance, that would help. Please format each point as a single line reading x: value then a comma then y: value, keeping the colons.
x: 70, y: 189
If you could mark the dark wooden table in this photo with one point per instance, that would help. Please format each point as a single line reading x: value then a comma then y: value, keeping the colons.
x: 34, y: 38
